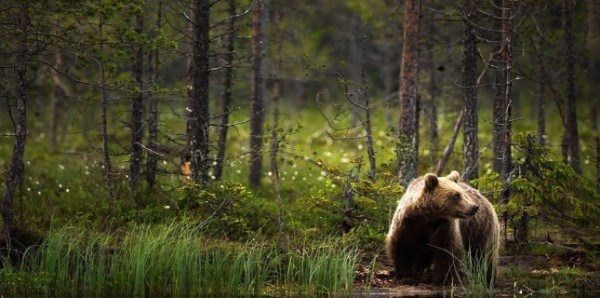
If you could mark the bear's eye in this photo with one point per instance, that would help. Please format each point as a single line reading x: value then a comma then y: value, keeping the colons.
x: 456, y: 197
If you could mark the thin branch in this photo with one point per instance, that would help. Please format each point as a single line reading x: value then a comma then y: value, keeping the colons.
x: 448, y: 150
x: 150, y: 150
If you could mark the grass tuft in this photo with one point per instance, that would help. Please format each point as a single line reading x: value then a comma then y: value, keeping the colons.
x: 177, y: 260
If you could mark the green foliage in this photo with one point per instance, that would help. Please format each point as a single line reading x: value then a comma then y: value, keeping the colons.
x: 226, y: 209
x: 350, y: 200
x: 552, y: 281
x: 15, y: 282
x: 547, y: 250
x: 545, y: 188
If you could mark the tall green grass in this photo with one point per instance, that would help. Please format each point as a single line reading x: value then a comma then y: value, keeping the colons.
x: 176, y: 260
x: 476, y: 268
x: 326, y: 268
x: 472, y: 277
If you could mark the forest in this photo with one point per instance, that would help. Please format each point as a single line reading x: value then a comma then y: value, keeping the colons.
x: 190, y: 148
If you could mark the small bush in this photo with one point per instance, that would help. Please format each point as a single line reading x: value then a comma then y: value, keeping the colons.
x: 225, y: 209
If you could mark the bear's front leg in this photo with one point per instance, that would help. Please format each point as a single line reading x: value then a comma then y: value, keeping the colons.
x: 448, y: 253
x: 445, y: 267
x: 404, y: 261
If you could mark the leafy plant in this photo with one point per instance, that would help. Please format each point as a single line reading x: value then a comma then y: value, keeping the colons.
x: 544, y: 188
x: 353, y: 203
x: 224, y: 208
x: 15, y: 282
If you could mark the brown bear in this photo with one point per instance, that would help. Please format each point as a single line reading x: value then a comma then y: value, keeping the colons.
x: 438, y: 222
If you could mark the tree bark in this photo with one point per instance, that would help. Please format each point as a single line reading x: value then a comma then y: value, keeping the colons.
x: 200, y: 117
x: 137, y: 110
x: 430, y: 109
x: 592, y: 71
x: 154, y: 61
x: 499, y: 106
x: 14, y: 174
x: 470, y: 130
x: 593, y: 78
x: 571, y: 135
x: 407, y: 151
x: 226, y: 107
x: 257, y: 117
x: 505, y: 104
x: 598, y: 163
x: 104, y: 122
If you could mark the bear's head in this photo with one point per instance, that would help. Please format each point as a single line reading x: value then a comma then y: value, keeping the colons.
x: 446, y: 197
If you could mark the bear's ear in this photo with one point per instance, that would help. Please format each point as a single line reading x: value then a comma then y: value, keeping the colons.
x: 454, y: 176
x: 431, y: 181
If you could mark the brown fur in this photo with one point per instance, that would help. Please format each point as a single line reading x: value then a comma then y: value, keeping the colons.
x: 437, y: 221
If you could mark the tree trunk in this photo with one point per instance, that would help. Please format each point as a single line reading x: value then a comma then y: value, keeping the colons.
x: 430, y: 109
x: 499, y: 107
x: 522, y: 230
x: 200, y: 117
x: 571, y: 136
x: 280, y: 218
x: 592, y: 76
x: 154, y: 61
x: 104, y: 125
x: 14, y: 174
x: 356, y: 65
x: 407, y: 151
x: 58, y: 93
x: 506, y: 85
x: 470, y: 130
x: 257, y: 117
x: 527, y: 170
x: 592, y: 71
x: 541, y: 114
x: 275, y: 135
x: 226, y: 107
x: 388, y: 78
x: 370, y: 145
x: 502, y: 103
x: 362, y: 92
x: 137, y: 111
x: 276, y: 96
x: 597, y: 163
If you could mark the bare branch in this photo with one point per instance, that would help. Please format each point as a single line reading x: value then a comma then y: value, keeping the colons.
x: 448, y: 150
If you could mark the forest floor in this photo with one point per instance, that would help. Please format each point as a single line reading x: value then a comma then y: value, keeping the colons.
x: 571, y: 272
